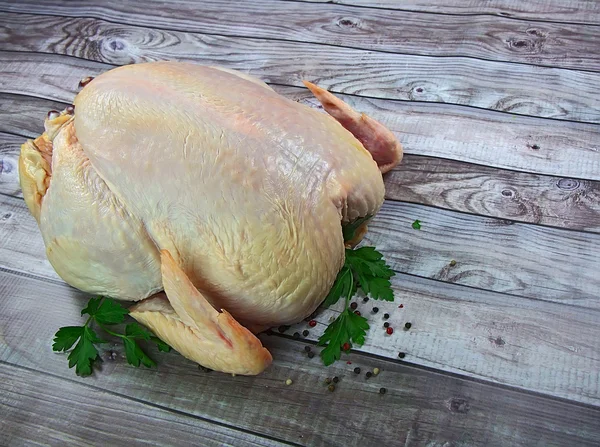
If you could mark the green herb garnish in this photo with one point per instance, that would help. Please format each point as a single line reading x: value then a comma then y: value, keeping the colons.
x: 364, y: 268
x: 416, y: 224
x: 104, y: 312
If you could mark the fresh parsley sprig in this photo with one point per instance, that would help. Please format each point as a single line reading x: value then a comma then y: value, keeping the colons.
x: 104, y: 312
x: 364, y: 268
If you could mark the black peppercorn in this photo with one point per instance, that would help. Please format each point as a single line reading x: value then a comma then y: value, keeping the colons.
x: 331, y: 388
x: 365, y: 299
x: 305, y: 333
x: 357, y: 370
x: 386, y: 316
x: 282, y: 329
x: 407, y: 325
x: 375, y: 310
x: 353, y: 306
x: 401, y: 355
x: 382, y: 391
x: 296, y: 335
x: 328, y: 380
x: 368, y: 374
x: 386, y: 324
x: 307, y: 348
x: 311, y: 355
x: 336, y: 379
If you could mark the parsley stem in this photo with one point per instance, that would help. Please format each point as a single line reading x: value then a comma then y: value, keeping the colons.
x: 108, y: 331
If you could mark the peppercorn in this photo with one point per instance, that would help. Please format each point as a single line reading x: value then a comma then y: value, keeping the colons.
x: 386, y: 316
x: 328, y: 380
x: 452, y: 263
x: 296, y: 335
x: 407, y: 325
x: 346, y: 346
x: 400, y: 306
x: 85, y: 81
x: 390, y: 330
x: 331, y: 388
x: 305, y: 333
x: 357, y: 312
x: 375, y: 371
x: 282, y: 329
x: 311, y: 355
x: 366, y: 299
x: 353, y: 306
x: 307, y: 348
x: 357, y: 370
x: 382, y: 391
x: 312, y: 323
x: 375, y: 310
x: 336, y: 379
x: 368, y: 374
x: 288, y: 382
x: 386, y: 324
x: 401, y: 355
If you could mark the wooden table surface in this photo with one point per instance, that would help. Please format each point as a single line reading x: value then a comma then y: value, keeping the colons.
x: 497, y: 104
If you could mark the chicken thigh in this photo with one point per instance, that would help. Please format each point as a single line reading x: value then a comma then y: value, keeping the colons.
x: 206, y: 184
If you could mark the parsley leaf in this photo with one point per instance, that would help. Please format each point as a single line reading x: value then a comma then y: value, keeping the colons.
x: 135, y: 355
x: 161, y: 345
x: 66, y: 337
x: 416, y: 224
x: 347, y: 328
x: 84, y: 353
x: 349, y: 230
x: 110, y: 312
x: 104, y: 312
x: 342, y: 287
x: 366, y: 266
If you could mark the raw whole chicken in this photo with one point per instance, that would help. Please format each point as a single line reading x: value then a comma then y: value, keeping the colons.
x: 207, y: 197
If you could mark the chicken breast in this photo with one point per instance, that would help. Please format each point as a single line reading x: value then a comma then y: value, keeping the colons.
x: 207, y: 184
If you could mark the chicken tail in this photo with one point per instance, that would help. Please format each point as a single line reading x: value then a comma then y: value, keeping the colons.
x: 375, y: 137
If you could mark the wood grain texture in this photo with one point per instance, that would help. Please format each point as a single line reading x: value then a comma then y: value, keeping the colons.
x: 420, y: 407
x: 485, y: 37
x: 536, y: 345
x: 532, y: 261
x: 574, y: 11
x: 475, y: 189
x: 518, y: 89
x: 557, y: 148
x: 45, y: 410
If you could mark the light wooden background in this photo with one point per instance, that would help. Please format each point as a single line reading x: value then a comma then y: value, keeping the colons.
x: 497, y: 104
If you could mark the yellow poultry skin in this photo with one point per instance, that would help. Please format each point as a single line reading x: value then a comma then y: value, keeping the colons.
x: 206, y: 184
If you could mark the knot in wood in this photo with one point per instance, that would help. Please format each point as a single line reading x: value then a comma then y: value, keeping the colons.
x: 459, y: 405
x: 348, y: 22
x: 568, y: 184
x: 5, y: 166
x: 116, y: 45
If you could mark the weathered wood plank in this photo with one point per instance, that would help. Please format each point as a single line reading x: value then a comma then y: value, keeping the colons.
x: 419, y: 408
x: 483, y: 137
x: 9, y: 165
x: 571, y: 11
x: 518, y: 89
x: 503, y: 256
x: 457, y: 329
x: 41, y: 409
x: 532, y: 261
x: 397, y: 31
x: 475, y: 189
